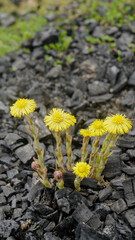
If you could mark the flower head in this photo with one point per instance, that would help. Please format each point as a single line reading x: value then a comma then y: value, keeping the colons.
x: 97, y: 128
x: 58, y: 120
x: 82, y: 169
x: 86, y: 133
x: 118, y: 124
x: 22, y: 107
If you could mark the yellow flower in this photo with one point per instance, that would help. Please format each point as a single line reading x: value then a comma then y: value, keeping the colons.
x: 82, y: 169
x: 22, y: 107
x: 58, y: 120
x: 86, y: 133
x: 118, y: 124
x: 97, y: 128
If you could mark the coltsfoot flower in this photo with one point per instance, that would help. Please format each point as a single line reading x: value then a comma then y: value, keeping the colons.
x: 82, y: 169
x: 22, y: 107
x: 86, y: 133
x: 97, y: 128
x: 117, y: 124
x: 58, y: 120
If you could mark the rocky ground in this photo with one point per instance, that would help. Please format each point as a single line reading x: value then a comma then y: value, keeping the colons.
x: 93, y: 81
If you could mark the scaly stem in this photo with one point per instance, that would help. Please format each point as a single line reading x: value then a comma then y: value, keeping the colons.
x: 84, y: 152
x: 93, y: 155
x: 42, y: 170
x: 104, y: 154
x: 59, y: 160
x: 77, y: 183
x: 69, y: 149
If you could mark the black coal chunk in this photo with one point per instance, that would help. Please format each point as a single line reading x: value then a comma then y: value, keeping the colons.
x: 84, y: 232
x: 7, y: 227
x: 82, y: 213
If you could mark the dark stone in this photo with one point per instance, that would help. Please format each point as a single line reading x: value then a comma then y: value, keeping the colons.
x: 64, y: 205
x: 129, y: 170
x: 100, y: 99
x: 50, y: 236
x: 50, y: 17
x: 38, y: 52
x: 90, y: 65
x: 113, y: 167
x: 109, y: 220
x: 116, y: 195
x: 130, y: 217
x: 90, y: 183
x: 17, y: 213
x: 102, y: 210
x: 3, y: 109
x: 75, y: 199
x: 121, y: 83
x: 12, y: 140
x: 129, y: 192
x: 2, y: 214
x: 2, y: 168
x: 12, y: 173
x: 98, y: 32
x: 105, y: 193
x: 7, y: 227
x: 76, y: 100
x: 2, y: 200
x: 131, y: 152
x: 84, y: 232
x: 124, y: 231
x: 82, y: 213
x: 18, y: 64
x: 112, y: 74
x: 49, y: 227
x: 98, y: 88
x: 124, y: 157
x: 63, y: 193
x: 117, y: 183
x: 25, y: 153
x: 8, y: 191
x: 54, y: 72
x: 6, y: 159
x: 94, y: 222
x: 119, y: 206
x: 110, y: 231
x: 132, y: 79
x: 126, y: 141
x: 34, y: 191
x: 8, y: 21
x: 65, y: 227
x: 126, y: 38
x: 45, y: 36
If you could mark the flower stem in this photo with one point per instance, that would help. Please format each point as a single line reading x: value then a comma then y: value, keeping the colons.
x: 93, y: 155
x: 59, y: 160
x: 41, y: 169
x: 77, y: 183
x: 84, y: 152
x: 69, y: 149
x: 104, y: 154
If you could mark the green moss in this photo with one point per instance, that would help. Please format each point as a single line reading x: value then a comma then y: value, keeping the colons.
x: 62, y: 44
x: 11, y: 37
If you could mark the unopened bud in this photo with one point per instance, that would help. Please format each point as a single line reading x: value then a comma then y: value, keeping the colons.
x: 58, y: 175
x: 35, y: 165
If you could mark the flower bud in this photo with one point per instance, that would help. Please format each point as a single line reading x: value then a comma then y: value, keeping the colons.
x: 58, y: 175
x: 35, y: 165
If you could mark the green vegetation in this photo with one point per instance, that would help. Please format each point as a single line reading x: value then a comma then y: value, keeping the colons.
x: 11, y: 37
x: 107, y: 12
x: 119, y: 58
x: 62, y: 44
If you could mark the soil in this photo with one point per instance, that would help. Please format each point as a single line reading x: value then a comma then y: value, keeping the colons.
x: 93, y: 85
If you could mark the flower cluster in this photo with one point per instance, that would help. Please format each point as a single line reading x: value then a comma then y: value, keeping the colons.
x: 58, y: 120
